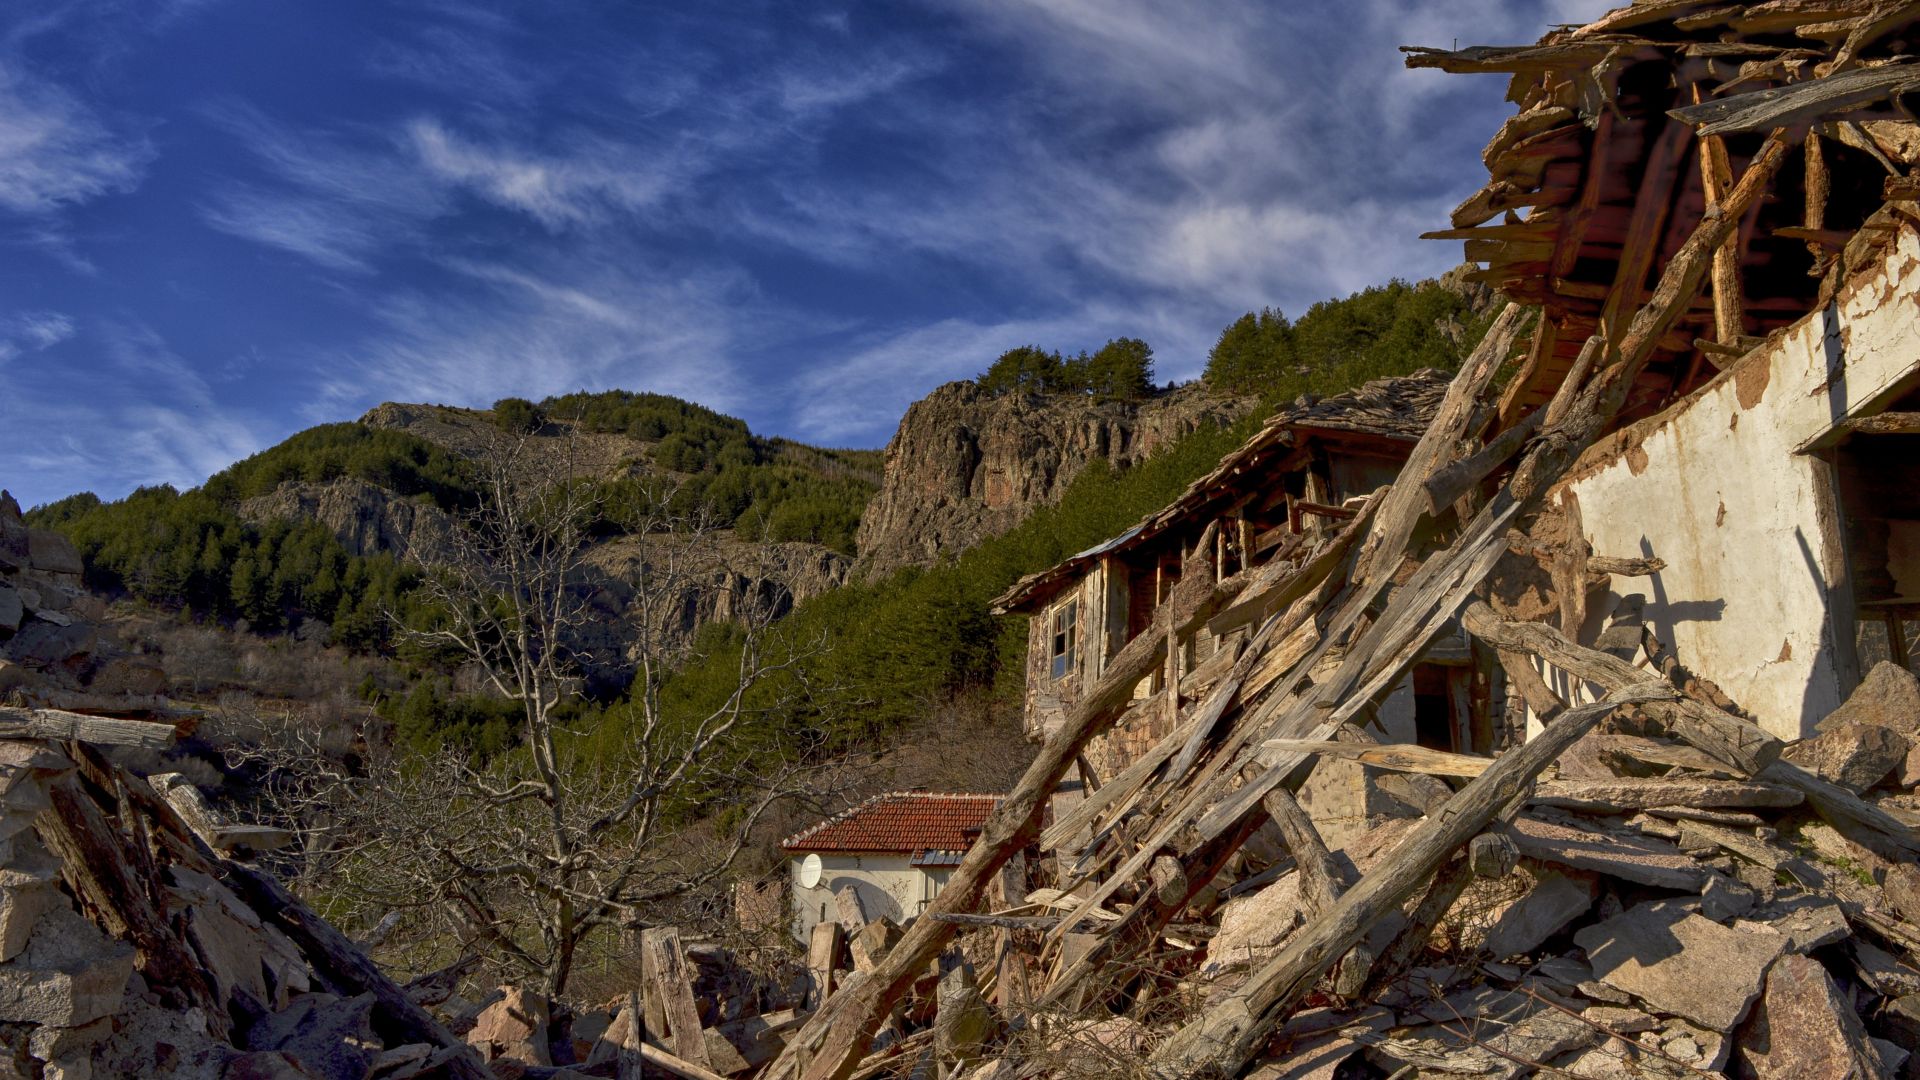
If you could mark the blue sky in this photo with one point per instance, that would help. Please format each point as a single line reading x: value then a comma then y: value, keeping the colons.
x: 222, y: 221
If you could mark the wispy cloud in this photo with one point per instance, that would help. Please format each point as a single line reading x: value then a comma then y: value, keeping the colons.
x: 338, y: 198
x: 164, y: 422
x: 528, y: 332
x: 55, y: 152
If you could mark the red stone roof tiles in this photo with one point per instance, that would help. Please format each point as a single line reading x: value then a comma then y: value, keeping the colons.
x: 904, y: 821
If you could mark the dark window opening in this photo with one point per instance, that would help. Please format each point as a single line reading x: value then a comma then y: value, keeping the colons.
x: 1439, y: 705
x: 1880, y: 505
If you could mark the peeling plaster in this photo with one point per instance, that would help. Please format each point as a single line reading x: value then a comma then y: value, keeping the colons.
x: 1714, y: 487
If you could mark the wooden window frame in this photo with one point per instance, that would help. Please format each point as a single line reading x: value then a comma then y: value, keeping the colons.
x: 1063, y: 639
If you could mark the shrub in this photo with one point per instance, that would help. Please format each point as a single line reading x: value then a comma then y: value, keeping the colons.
x: 517, y: 415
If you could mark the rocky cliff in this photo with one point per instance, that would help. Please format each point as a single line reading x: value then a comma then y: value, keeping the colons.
x: 367, y: 519
x: 966, y: 464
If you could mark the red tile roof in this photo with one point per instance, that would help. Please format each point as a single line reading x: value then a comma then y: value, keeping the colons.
x: 904, y: 821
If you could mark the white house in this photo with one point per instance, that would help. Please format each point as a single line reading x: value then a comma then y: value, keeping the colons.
x: 895, y: 850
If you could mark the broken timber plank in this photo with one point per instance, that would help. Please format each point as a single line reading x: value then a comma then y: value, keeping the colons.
x: 1224, y: 1038
x: 1799, y: 103
x: 1399, y: 757
x: 1728, y: 738
x: 1628, y: 795
x: 664, y: 964
x: 58, y: 724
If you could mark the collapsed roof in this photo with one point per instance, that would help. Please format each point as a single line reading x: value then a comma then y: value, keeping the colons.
x: 1394, y: 410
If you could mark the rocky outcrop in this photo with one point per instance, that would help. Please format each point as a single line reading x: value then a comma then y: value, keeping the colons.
x: 51, y: 650
x: 367, y: 519
x: 716, y: 578
x: 966, y: 464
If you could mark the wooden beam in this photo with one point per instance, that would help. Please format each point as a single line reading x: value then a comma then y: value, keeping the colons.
x: 60, y: 725
x: 1716, y: 179
x: 1221, y: 1040
x: 664, y: 964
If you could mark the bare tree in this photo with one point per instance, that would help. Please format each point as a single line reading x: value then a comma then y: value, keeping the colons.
x: 530, y: 854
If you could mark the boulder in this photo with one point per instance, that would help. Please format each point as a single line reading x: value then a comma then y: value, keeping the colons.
x: 1804, y: 1029
x: 29, y: 888
x: 514, y: 1027
x: 11, y: 610
x: 16, y: 550
x: 43, y: 643
x: 1854, y: 755
x: 1901, y: 890
x: 1889, y: 696
x: 52, y: 553
x: 1673, y: 959
x: 68, y: 975
x: 329, y: 1037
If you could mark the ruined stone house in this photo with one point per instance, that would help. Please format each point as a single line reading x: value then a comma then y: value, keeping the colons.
x: 1765, y: 452
x: 1292, y: 482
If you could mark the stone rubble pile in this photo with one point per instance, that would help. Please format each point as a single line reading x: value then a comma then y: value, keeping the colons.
x: 129, y: 947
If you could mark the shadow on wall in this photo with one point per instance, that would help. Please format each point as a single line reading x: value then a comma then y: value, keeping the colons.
x: 874, y: 900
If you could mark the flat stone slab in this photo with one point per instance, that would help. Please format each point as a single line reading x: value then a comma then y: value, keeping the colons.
x: 1805, y: 1030
x: 1637, y: 859
x: 1554, y: 901
x: 1678, y: 962
x: 1807, y: 922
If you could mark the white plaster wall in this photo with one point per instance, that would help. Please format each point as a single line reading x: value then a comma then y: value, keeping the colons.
x: 1744, y: 522
x: 887, y: 883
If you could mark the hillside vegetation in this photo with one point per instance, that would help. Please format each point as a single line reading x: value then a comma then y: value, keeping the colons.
x: 887, y: 652
x: 879, y: 654
x: 193, y: 553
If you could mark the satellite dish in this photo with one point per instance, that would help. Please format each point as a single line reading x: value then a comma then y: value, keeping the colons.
x: 810, y: 869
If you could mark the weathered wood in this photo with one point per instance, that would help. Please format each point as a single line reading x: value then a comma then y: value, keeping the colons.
x: 1224, y: 1037
x: 664, y: 964
x: 620, y: 1044
x: 1887, y: 423
x: 1405, y: 503
x: 1728, y: 738
x: 1003, y: 922
x: 1628, y: 795
x: 835, y: 1037
x: 1446, y: 485
x: 1799, y: 103
x: 98, y: 868
x: 1145, y: 921
x: 1859, y: 819
x: 1716, y: 179
x: 1323, y: 879
x: 60, y: 725
x: 1398, y: 757
x: 823, y: 955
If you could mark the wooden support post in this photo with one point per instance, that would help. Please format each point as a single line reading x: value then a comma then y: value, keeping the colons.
x: 664, y: 964
x: 823, y: 954
x: 1819, y: 185
x: 1323, y: 879
x: 1716, y: 179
